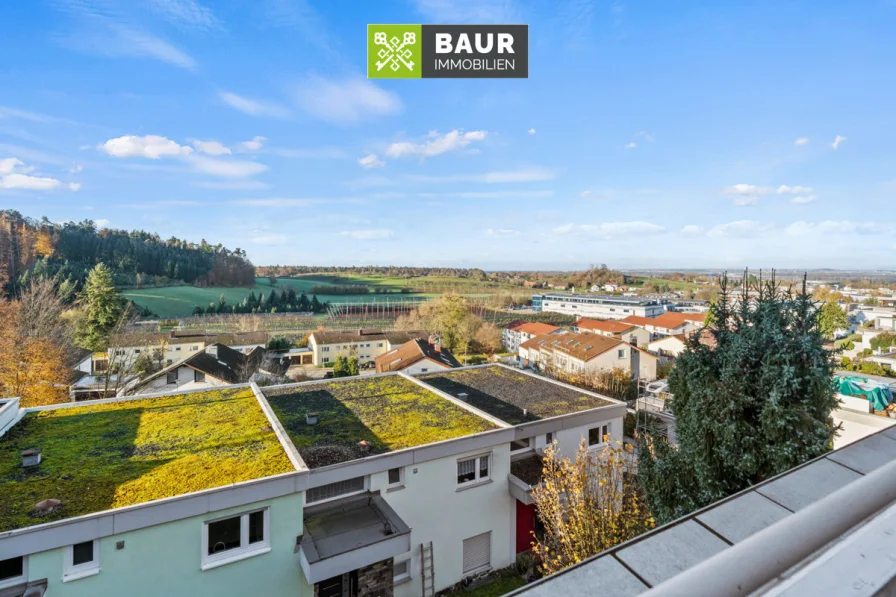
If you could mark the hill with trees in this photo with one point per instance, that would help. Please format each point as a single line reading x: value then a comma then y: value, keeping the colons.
x: 32, y: 248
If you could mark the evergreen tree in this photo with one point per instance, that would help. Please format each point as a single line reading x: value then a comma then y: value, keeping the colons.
x: 756, y: 404
x: 315, y: 304
x: 304, y: 305
x: 103, y: 309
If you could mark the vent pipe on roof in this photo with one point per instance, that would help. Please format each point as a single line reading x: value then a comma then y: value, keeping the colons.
x: 212, y: 350
x: 47, y: 506
x: 462, y: 396
x: 30, y: 457
x: 311, y: 418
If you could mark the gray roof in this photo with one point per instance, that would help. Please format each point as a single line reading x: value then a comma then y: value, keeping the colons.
x: 646, y: 561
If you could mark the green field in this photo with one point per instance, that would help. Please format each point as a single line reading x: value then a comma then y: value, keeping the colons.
x: 178, y: 301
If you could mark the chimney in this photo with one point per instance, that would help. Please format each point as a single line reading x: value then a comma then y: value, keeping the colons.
x: 47, y: 506
x: 311, y: 418
x: 30, y: 457
x: 212, y: 350
x: 462, y: 396
x: 438, y: 346
x: 432, y: 340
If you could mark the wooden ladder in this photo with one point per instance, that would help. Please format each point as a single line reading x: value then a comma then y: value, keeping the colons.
x: 427, y: 570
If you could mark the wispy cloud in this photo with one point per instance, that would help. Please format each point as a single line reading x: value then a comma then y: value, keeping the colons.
x: 188, y: 14
x: 345, y: 101
x: 378, y: 234
x: 210, y: 147
x: 225, y: 168
x: 253, y: 107
x: 435, y: 144
x: 692, y: 230
x: 531, y: 131
x: 8, y: 112
x: 232, y: 185
x: 502, y: 232
x: 527, y: 175
x: 14, y: 174
x: 749, y: 194
x: 801, y: 141
x: 610, y: 229
x: 837, y: 141
x: 280, y: 202
x: 740, y: 229
x: 155, y: 147
x: 371, y: 161
x: 320, y: 153
x: 631, y: 145
x: 269, y: 239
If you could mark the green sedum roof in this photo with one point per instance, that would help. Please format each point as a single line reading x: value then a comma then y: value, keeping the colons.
x: 388, y: 412
x: 124, y: 453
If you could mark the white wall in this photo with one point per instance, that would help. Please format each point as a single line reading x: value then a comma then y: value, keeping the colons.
x: 857, y: 425
x: 600, y: 310
x: 668, y: 346
x: 185, y: 376
x: 436, y: 511
x: 425, y: 366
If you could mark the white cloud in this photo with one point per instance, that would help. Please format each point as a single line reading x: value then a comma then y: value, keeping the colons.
x: 8, y: 165
x: 226, y: 168
x: 253, y: 107
x: 280, y: 202
x: 270, y: 239
x: 692, y: 230
x: 318, y: 153
x: 803, y: 199
x: 837, y: 141
x: 253, y: 144
x: 740, y: 229
x: 839, y: 227
x: 25, y: 181
x: 531, y: 131
x: 801, y: 141
x: 346, y: 101
x: 232, y: 185
x: 649, y: 137
x: 746, y: 194
x: 74, y: 186
x: 585, y: 194
x: 631, y: 145
x: 147, y: 146
x: 378, y: 234
x: 502, y: 232
x: 610, y: 229
x: 371, y: 161
x: 795, y: 190
x: 102, y: 223
x: 75, y: 169
x: 436, y: 144
x: 211, y: 147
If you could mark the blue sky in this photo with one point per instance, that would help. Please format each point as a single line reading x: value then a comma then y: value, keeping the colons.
x: 649, y: 134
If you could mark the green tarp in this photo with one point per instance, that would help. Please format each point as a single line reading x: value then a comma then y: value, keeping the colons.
x: 879, y: 395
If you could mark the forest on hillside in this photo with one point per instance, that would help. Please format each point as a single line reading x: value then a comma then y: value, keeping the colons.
x: 32, y: 248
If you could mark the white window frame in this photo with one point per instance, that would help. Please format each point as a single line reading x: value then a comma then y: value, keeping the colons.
x: 71, y: 572
x: 246, y: 549
x: 404, y: 577
x: 485, y: 567
x: 605, y: 431
x: 15, y: 580
x: 477, y: 480
x: 400, y: 482
x: 528, y: 448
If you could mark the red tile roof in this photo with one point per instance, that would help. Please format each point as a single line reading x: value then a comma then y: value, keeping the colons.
x: 638, y: 321
x: 613, y: 327
x: 581, y: 346
x: 536, y: 329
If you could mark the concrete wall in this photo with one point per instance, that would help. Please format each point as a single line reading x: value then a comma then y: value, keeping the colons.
x: 166, y: 560
x: 601, y: 311
x: 857, y: 425
x: 436, y: 511
x: 611, y: 360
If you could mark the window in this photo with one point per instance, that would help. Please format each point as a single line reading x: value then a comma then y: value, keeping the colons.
x: 235, y: 538
x: 477, y: 553
x: 334, y: 490
x: 472, y: 470
x: 177, y: 349
x: 172, y: 377
x: 621, y: 353
x: 81, y: 559
x: 401, y: 571
x: 13, y: 571
x: 597, y: 434
x: 549, y: 438
x: 379, y: 345
x: 424, y: 370
x: 396, y: 476
x: 136, y: 352
x: 325, y: 349
x: 198, y: 376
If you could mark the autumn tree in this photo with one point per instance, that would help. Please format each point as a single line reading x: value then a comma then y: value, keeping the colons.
x: 102, y: 309
x: 31, y: 367
x: 586, y: 505
x: 489, y: 338
x: 448, y: 317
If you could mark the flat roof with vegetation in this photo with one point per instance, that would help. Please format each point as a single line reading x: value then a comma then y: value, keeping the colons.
x: 117, y: 454
x: 505, y: 393
x: 387, y: 412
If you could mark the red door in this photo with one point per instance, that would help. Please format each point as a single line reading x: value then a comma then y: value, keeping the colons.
x: 525, y: 524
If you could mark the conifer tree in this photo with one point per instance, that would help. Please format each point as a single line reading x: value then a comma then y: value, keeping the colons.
x: 103, y: 309
x: 755, y: 404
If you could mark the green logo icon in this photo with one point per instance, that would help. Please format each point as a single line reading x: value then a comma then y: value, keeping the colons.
x: 394, y: 51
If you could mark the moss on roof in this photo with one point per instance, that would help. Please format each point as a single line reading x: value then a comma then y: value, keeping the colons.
x: 505, y: 393
x: 388, y: 412
x: 118, y: 454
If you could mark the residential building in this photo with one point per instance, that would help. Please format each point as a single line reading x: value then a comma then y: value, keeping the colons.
x: 822, y: 528
x: 668, y: 346
x: 587, y: 353
x: 364, y: 345
x: 516, y: 333
x: 627, y: 332
x: 416, y: 356
x: 217, y: 365
x: 670, y: 323
x: 351, y: 487
x: 601, y: 306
